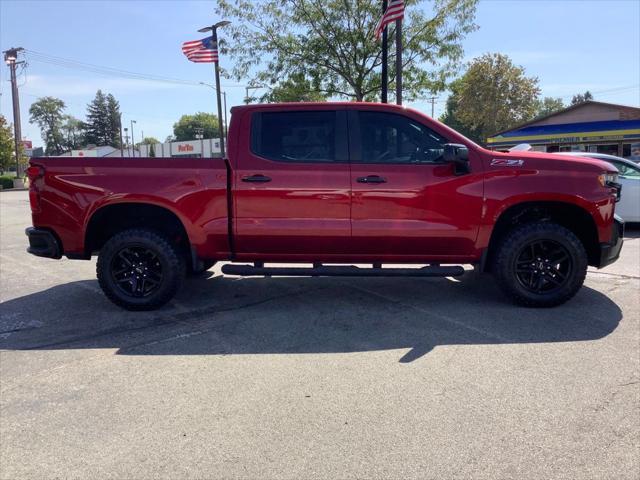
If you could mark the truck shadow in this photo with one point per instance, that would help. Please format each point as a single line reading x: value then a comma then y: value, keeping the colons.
x: 227, y: 316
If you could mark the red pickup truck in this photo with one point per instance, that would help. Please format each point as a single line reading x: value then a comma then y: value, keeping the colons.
x: 330, y: 185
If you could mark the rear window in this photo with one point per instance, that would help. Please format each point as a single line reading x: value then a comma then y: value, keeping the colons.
x: 295, y: 136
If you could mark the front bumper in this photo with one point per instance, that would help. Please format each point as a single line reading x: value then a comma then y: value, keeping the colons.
x: 609, y: 252
x: 43, y: 243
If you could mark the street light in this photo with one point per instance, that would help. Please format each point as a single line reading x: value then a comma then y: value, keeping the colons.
x: 126, y: 138
x: 224, y: 96
x: 214, y: 36
x: 247, y: 99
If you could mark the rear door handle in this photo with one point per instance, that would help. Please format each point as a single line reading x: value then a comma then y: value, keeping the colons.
x: 256, y: 178
x: 372, y: 179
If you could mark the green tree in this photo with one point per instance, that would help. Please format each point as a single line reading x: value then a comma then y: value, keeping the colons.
x: 549, y: 105
x: 494, y: 95
x: 148, y: 141
x: 73, y: 132
x: 450, y: 116
x: 115, y: 117
x: 581, y: 98
x: 152, y: 150
x: 47, y: 112
x: 103, y: 121
x: 6, y: 145
x: 185, y: 128
x: 296, y: 88
x: 332, y: 43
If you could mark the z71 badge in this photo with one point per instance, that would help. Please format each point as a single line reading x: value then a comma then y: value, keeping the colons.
x: 506, y: 162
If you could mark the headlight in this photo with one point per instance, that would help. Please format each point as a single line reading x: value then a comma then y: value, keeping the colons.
x: 608, y: 179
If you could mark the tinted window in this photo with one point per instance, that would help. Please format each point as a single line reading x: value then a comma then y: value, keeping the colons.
x: 295, y: 136
x: 626, y: 170
x: 390, y: 138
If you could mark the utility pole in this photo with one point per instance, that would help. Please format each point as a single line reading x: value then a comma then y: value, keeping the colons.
x: 385, y: 48
x: 10, y: 58
x: 433, y: 105
x: 133, y: 145
x: 199, y: 131
x: 214, y: 37
x: 121, y: 143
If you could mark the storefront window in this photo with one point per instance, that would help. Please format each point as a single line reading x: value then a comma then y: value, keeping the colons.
x: 631, y: 151
x: 609, y: 149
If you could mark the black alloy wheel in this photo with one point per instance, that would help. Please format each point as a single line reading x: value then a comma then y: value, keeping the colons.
x: 543, y: 266
x: 140, y: 269
x: 137, y: 271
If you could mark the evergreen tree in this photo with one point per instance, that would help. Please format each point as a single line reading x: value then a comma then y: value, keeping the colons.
x: 152, y: 151
x: 98, y: 126
x: 115, y: 117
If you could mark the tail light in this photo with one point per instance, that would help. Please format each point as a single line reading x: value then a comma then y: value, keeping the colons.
x: 35, y: 173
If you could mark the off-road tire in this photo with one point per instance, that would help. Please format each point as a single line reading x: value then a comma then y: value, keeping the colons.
x: 170, y: 261
x: 508, y: 259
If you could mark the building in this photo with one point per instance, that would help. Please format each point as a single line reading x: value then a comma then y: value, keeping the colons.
x: 205, y: 147
x: 586, y: 127
x: 93, y: 151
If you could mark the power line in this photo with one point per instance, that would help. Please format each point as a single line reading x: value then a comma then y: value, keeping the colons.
x: 110, y: 71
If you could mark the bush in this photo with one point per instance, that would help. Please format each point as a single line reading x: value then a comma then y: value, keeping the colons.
x: 6, y: 181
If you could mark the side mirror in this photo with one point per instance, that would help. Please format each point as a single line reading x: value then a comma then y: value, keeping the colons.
x: 457, y: 154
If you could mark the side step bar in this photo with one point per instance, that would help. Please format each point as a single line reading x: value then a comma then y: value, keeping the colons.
x: 341, y: 271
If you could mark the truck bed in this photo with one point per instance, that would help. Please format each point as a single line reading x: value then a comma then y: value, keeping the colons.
x: 74, y: 189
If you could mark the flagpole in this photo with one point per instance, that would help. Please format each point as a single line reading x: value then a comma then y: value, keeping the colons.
x: 218, y: 99
x: 385, y: 74
x: 214, y: 39
x: 399, y: 61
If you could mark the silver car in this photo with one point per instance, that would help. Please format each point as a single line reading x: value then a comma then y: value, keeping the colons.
x: 629, y: 177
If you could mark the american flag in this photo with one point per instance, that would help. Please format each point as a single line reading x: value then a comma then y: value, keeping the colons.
x: 394, y: 11
x: 201, y: 51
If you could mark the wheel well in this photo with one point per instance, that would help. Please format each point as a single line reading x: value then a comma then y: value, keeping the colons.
x: 575, y: 218
x: 112, y: 219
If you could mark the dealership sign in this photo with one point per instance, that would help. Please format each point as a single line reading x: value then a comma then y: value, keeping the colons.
x: 186, y: 148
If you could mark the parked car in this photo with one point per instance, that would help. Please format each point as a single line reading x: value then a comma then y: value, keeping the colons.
x: 337, y: 183
x: 629, y: 177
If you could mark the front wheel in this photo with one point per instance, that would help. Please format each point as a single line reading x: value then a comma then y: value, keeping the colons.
x: 540, y: 264
x: 139, y: 269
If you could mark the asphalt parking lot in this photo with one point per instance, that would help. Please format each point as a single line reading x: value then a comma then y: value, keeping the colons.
x: 313, y: 378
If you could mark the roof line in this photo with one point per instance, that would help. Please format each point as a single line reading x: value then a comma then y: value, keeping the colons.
x: 558, y: 112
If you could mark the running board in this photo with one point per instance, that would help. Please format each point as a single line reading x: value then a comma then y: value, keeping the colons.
x: 341, y: 271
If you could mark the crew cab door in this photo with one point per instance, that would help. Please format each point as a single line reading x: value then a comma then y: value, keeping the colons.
x: 406, y: 202
x: 292, y: 185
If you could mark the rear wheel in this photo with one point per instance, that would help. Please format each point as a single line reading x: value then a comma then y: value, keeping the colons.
x: 540, y: 264
x: 139, y: 269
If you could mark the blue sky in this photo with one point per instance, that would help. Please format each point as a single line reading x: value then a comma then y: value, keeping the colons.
x: 571, y: 46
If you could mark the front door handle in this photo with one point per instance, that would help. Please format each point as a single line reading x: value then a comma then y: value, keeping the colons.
x: 256, y: 178
x: 372, y: 179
